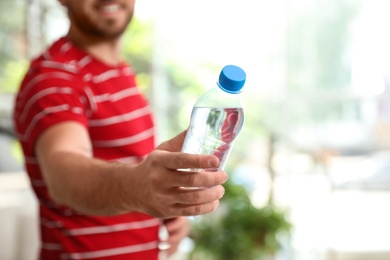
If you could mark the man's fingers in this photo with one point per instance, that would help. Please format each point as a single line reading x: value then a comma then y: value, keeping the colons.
x: 178, y: 160
x: 193, y: 196
x: 199, y: 209
x: 199, y: 179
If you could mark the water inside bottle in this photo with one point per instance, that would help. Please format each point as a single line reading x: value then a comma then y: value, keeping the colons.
x: 213, y: 131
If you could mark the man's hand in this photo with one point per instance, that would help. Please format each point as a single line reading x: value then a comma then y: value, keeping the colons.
x: 162, y: 189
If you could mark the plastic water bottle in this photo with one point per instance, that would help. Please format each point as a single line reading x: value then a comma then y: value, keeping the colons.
x: 217, y: 117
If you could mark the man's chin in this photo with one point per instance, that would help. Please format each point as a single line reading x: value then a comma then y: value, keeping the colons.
x: 108, y: 33
x: 112, y: 31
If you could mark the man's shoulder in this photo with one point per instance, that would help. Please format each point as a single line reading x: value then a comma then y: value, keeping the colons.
x: 62, y: 57
x: 56, y: 66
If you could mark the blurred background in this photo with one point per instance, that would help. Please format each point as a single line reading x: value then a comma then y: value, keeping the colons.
x: 310, y: 171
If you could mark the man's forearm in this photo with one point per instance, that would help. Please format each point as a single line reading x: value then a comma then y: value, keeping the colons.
x: 88, y: 185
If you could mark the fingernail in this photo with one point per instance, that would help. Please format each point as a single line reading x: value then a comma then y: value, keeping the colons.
x: 223, y: 193
x: 226, y: 177
x: 213, y: 162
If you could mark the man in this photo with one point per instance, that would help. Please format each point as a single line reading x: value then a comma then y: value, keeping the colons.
x: 88, y: 138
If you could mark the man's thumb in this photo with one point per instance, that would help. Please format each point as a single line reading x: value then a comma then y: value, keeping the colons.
x: 175, y: 144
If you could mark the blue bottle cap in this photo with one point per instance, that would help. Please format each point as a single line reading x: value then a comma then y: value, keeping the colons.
x: 232, y: 79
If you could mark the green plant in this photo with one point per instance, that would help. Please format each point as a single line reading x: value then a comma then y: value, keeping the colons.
x: 238, y: 230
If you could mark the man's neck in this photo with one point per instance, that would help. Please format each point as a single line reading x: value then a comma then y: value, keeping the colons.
x: 107, y: 51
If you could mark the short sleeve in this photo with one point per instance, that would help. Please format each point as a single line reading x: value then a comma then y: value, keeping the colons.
x: 46, y: 99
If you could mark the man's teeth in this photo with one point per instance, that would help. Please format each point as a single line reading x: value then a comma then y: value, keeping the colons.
x: 110, y: 8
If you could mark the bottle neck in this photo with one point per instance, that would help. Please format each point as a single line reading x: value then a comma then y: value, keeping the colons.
x: 229, y: 91
x: 229, y: 94
x: 216, y: 97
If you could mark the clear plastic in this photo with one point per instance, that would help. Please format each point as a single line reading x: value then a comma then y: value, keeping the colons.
x: 216, y: 120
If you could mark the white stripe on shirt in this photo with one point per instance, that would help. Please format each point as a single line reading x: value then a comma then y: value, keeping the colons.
x: 40, y: 115
x: 127, y: 71
x: 59, y: 65
x: 120, y: 118
x: 77, y: 110
x: 117, y: 96
x: 66, y: 47
x: 44, y: 76
x: 40, y: 94
x: 112, y: 251
x: 113, y: 228
x: 106, y: 76
x: 91, y: 99
x: 84, y: 61
x: 46, y: 55
x: 129, y: 159
x: 125, y: 141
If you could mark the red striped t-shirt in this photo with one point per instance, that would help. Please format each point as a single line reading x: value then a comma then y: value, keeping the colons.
x: 67, y: 84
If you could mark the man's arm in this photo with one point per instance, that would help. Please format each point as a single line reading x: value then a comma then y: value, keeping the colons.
x: 154, y: 186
